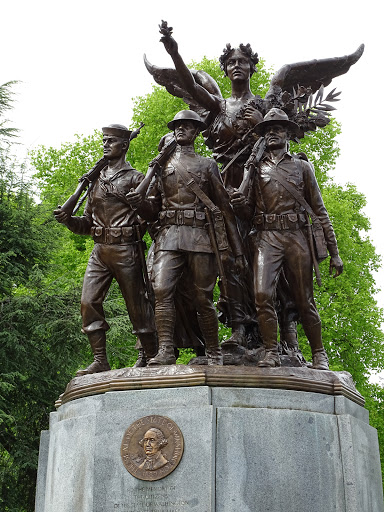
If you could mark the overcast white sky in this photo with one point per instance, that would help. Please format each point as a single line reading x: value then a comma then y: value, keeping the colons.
x: 80, y: 63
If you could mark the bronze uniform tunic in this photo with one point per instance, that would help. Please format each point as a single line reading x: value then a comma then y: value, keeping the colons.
x: 182, y: 246
x: 174, y: 197
x: 115, y: 254
x: 279, y: 236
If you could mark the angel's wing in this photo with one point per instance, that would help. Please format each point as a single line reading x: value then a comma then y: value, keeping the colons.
x: 169, y: 78
x: 314, y: 73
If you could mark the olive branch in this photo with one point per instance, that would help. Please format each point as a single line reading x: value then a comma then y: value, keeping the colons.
x: 305, y: 102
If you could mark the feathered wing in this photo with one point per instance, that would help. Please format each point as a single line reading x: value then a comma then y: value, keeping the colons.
x: 314, y: 73
x: 294, y: 86
x: 169, y: 78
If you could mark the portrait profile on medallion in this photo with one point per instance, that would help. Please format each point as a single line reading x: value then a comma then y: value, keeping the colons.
x: 152, y: 447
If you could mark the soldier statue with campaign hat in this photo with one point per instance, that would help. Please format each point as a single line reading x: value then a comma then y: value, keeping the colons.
x: 280, y: 193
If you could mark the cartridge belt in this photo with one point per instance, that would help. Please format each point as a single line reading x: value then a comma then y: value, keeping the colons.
x: 194, y: 218
x: 124, y: 235
x: 285, y: 222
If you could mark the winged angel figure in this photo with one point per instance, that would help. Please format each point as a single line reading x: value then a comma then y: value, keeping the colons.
x: 297, y: 88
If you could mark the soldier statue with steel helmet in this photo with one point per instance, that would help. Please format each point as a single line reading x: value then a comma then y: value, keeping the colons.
x: 187, y: 188
x: 279, y: 198
x: 115, y: 228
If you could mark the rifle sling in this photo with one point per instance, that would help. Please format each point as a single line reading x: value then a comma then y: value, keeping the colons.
x: 192, y: 185
x: 277, y: 176
x: 217, y: 246
x: 309, y: 210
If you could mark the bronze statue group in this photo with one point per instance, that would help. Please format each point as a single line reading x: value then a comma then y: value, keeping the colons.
x: 258, y: 223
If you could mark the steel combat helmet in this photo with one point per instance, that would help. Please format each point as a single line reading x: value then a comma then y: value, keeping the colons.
x: 186, y: 115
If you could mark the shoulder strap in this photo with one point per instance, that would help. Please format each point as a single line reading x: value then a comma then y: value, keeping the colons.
x: 295, y: 194
x: 192, y: 185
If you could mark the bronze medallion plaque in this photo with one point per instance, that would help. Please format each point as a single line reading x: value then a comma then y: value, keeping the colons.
x: 152, y: 447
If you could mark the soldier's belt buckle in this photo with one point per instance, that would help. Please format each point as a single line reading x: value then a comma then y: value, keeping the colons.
x: 180, y: 218
x: 283, y: 222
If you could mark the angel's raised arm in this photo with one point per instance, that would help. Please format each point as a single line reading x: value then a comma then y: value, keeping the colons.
x: 208, y: 100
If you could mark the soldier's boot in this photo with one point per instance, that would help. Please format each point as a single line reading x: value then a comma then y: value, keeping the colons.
x: 320, y: 359
x: 319, y: 355
x: 210, y: 330
x: 289, y: 337
x: 141, y: 361
x: 165, y: 324
x: 237, y: 337
x: 165, y: 355
x: 268, y: 331
x: 97, y: 340
x: 149, y: 344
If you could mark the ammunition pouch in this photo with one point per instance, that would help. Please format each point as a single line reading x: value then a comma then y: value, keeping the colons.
x: 319, y: 243
x: 285, y: 222
x: 220, y: 230
x: 124, y: 235
x: 194, y: 218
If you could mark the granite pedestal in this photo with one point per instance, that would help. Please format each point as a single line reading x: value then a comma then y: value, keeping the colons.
x: 246, y: 449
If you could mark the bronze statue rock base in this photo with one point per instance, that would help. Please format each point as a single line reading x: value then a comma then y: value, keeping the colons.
x: 237, y: 355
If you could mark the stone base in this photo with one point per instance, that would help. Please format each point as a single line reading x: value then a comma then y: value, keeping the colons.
x: 246, y: 449
x: 299, y: 379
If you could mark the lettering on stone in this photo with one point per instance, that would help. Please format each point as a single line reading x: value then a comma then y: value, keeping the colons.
x: 152, y: 447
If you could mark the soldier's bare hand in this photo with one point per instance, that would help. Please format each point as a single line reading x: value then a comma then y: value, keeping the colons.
x: 60, y: 215
x: 238, y: 200
x: 336, y: 265
x: 133, y: 198
x: 240, y: 264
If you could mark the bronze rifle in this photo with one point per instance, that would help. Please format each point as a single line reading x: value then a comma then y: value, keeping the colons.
x: 155, y: 165
x: 251, y: 165
x: 73, y: 203
x: 141, y: 245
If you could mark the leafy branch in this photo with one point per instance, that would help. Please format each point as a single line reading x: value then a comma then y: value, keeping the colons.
x: 304, y: 100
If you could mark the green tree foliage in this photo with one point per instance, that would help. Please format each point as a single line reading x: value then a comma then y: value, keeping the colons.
x: 58, y: 170
x: 353, y: 340
x: 40, y: 350
x: 25, y: 376
x: 22, y: 245
x: 56, y: 177
x: 6, y: 101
